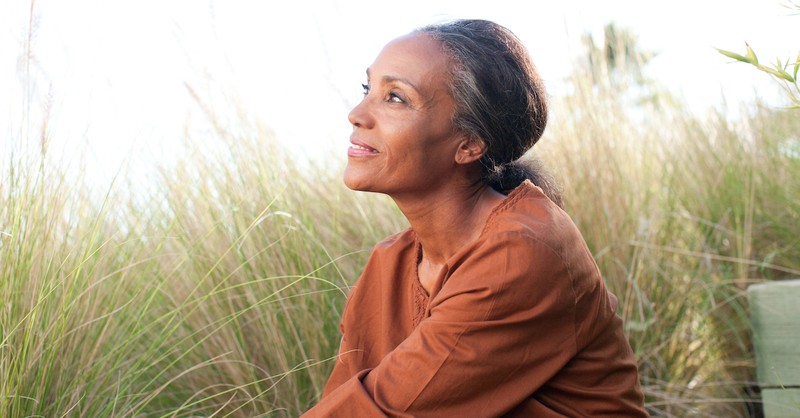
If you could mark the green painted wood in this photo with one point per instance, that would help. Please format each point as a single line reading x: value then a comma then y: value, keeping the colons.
x: 781, y: 403
x: 775, y: 312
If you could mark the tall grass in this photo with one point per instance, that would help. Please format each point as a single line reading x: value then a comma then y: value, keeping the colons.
x: 215, y: 292
x: 217, y: 289
x: 683, y: 213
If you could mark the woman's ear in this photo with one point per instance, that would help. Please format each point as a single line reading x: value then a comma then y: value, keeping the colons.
x: 470, y: 150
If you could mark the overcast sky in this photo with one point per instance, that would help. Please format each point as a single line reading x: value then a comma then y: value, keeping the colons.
x: 115, y: 73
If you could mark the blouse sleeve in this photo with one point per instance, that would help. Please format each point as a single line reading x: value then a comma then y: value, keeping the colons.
x: 502, y: 325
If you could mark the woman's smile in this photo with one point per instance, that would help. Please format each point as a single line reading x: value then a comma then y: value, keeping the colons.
x: 359, y: 149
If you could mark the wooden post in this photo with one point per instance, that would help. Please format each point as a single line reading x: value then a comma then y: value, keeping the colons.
x: 775, y: 312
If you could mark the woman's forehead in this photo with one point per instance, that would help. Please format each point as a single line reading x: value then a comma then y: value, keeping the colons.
x: 414, y: 56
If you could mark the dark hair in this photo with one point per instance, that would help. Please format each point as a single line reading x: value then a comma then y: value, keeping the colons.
x: 499, y: 97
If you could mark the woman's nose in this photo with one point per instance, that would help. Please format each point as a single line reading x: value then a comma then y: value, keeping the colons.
x: 359, y: 116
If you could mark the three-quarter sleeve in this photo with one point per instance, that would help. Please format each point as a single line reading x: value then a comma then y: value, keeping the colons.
x: 502, y: 325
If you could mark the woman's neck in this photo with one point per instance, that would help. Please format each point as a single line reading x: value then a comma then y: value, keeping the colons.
x: 447, y: 221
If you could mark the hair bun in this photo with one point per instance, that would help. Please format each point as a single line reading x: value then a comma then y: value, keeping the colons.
x: 506, y: 177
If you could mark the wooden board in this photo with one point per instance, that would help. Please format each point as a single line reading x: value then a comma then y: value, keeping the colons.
x: 775, y: 311
x: 781, y: 403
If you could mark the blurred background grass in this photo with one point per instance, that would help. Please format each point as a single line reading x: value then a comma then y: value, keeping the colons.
x: 217, y: 289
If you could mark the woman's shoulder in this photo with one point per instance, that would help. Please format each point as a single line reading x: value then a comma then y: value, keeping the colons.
x: 392, y: 252
x: 396, y: 242
x: 528, y: 222
x: 528, y: 213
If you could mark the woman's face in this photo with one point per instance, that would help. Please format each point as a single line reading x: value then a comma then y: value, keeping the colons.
x: 403, y: 139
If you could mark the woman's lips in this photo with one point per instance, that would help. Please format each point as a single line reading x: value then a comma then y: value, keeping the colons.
x: 359, y: 149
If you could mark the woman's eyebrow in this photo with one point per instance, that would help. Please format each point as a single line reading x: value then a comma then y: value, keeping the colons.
x: 396, y: 79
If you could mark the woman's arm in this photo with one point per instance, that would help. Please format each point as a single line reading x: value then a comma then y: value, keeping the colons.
x: 502, y: 326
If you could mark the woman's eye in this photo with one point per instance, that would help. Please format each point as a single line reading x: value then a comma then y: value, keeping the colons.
x: 395, y: 98
x: 391, y: 97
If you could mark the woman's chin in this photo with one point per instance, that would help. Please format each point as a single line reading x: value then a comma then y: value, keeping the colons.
x: 354, y: 182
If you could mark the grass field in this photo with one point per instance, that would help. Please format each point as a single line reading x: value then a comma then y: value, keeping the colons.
x: 217, y: 289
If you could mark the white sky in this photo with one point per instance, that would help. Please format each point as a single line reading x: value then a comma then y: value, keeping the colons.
x: 115, y: 72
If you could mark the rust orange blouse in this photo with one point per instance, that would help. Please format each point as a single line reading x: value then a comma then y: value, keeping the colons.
x: 519, y: 323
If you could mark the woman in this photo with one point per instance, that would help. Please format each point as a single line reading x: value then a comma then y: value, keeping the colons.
x: 490, y: 304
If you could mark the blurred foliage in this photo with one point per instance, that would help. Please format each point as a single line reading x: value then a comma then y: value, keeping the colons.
x: 785, y: 72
